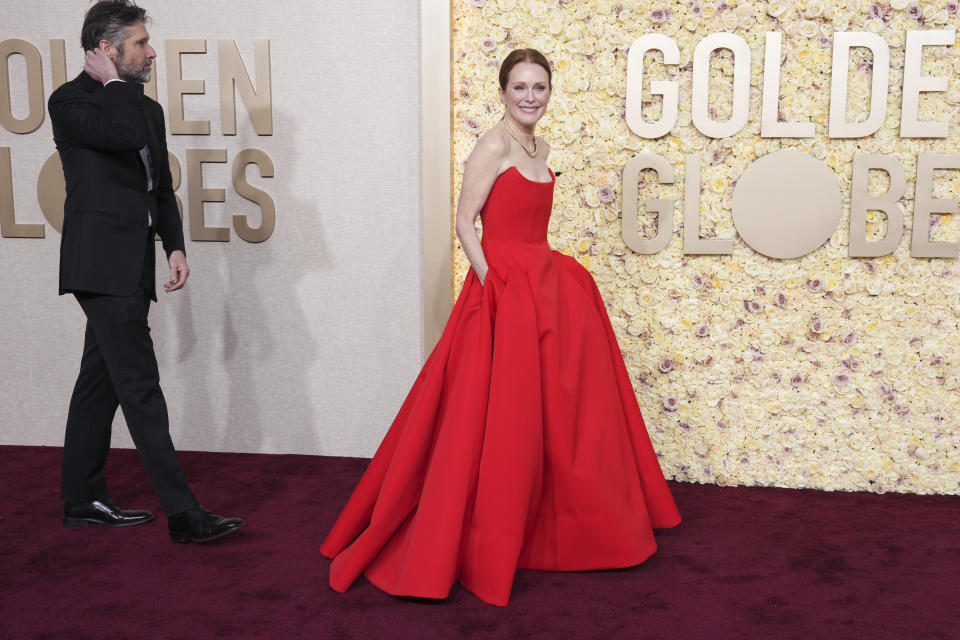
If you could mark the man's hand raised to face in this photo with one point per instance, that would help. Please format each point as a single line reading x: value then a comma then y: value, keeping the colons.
x: 100, y: 67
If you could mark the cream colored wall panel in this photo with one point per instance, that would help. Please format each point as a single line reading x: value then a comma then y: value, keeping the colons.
x: 306, y: 342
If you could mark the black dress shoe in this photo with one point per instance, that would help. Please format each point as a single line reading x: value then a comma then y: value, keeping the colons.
x: 80, y: 514
x: 199, y: 525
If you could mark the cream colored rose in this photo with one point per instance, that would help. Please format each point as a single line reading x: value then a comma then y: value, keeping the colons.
x: 814, y: 9
x: 809, y: 29
x: 776, y: 8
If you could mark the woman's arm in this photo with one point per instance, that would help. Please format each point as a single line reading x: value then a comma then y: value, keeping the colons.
x: 482, y: 168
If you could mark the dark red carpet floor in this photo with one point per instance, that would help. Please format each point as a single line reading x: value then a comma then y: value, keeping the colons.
x: 745, y: 563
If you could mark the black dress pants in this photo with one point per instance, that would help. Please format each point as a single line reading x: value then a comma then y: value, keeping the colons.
x: 119, y: 367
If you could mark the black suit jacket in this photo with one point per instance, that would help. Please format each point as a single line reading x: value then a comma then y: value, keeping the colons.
x: 99, y: 131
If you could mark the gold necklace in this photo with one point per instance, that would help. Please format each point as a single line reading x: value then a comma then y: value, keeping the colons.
x: 532, y: 154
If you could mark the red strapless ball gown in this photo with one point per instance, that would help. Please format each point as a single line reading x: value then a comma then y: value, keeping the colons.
x: 520, y: 445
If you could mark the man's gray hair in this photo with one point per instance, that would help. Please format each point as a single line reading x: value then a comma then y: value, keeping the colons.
x: 109, y: 20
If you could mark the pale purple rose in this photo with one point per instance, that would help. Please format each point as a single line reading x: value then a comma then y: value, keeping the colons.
x: 703, y: 331
x: 752, y: 306
x: 463, y: 93
x: 759, y: 358
x: 850, y: 338
x: 915, y: 10
x: 670, y: 405
x: 952, y: 7
x: 658, y: 15
x: 947, y: 273
x: 716, y: 156
x: 722, y: 6
x: 816, y: 325
x: 876, y: 10
x: 780, y: 300
x: 851, y: 363
x: 698, y: 282
x: 721, y: 425
x: 824, y: 41
x: 738, y: 324
x: 685, y: 426
x: 840, y: 379
x: 605, y: 194
x: 695, y: 8
x: 885, y: 389
x: 665, y: 365
x: 936, y: 361
x: 760, y: 290
x: 472, y: 125
x: 797, y: 380
x: 477, y: 3
x: 870, y: 266
x: 815, y: 285
x: 488, y: 44
x: 916, y: 341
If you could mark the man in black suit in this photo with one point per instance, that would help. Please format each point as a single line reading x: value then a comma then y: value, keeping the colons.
x: 112, y: 144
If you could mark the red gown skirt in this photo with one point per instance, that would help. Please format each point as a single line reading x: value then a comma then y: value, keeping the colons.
x: 520, y: 445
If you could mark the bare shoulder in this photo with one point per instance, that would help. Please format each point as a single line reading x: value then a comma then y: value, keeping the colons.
x: 494, y: 143
x: 492, y: 149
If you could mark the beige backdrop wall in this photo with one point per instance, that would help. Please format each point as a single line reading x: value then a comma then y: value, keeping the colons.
x: 820, y: 371
x: 303, y: 343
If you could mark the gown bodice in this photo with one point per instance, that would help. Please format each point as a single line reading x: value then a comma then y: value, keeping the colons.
x: 517, y: 210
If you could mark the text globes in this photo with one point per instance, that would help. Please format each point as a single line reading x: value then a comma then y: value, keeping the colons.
x: 787, y: 204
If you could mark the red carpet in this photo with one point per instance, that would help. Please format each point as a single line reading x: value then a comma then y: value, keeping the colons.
x: 745, y: 563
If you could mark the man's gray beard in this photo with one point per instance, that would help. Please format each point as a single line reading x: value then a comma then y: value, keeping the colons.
x: 140, y: 75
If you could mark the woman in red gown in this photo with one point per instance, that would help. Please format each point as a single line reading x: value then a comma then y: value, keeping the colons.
x: 520, y: 445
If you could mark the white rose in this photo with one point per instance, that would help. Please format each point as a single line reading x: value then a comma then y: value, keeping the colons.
x: 776, y: 8
x: 809, y: 29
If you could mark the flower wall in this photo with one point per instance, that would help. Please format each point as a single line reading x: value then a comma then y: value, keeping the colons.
x: 824, y: 371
